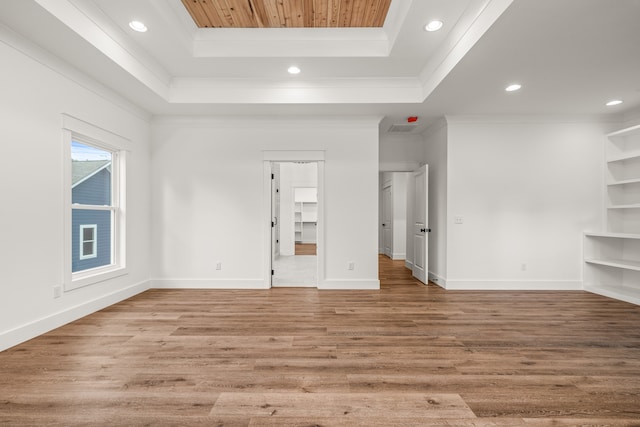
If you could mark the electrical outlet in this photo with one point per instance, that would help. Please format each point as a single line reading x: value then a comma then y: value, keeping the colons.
x: 219, y: 265
x: 351, y: 265
x: 458, y: 220
x: 57, y: 291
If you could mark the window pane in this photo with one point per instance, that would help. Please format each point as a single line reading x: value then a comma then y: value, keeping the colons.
x: 90, y: 175
x: 87, y: 234
x: 101, y: 235
x: 87, y: 248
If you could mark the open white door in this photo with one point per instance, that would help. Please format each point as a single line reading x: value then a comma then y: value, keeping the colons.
x: 420, y: 235
x: 387, y: 221
x: 275, y: 211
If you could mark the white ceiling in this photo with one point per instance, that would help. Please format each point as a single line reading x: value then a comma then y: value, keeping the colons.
x: 571, y: 56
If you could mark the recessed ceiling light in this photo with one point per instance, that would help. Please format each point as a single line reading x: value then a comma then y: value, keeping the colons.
x: 294, y: 70
x: 434, y: 25
x: 613, y: 102
x: 513, y: 87
x: 138, y: 26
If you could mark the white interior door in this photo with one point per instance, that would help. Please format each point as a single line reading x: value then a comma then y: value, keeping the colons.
x: 420, y: 235
x: 275, y: 211
x: 387, y: 221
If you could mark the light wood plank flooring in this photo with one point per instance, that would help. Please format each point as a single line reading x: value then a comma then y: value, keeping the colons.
x: 305, y: 249
x: 407, y: 355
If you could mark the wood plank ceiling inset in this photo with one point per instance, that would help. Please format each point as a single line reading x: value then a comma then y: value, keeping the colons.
x: 287, y: 13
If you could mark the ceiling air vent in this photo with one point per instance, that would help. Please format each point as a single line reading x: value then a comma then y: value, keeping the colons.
x: 402, y: 128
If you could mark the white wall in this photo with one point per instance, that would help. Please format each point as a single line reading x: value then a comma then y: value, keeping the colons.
x: 209, y: 204
x: 36, y: 90
x: 435, y: 146
x: 292, y: 175
x: 526, y: 190
x: 400, y: 152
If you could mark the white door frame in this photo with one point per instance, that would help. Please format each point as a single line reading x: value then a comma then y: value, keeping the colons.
x: 292, y: 156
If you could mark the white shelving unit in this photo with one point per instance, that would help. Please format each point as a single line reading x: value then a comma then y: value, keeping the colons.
x: 305, y: 214
x: 612, y: 258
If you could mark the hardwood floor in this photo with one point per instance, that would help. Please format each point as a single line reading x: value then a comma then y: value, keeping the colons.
x: 407, y: 355
x: 306, y: 249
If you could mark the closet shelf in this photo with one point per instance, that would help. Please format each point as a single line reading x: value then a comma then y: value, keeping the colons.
x: 633, y: 206
x: 613, y: 235
x: 623, y: 157
x: 625, y: 182
x: 616, y: 263
x: 612, y: 257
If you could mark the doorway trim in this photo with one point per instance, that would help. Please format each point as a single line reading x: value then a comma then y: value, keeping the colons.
x: 284, y: 156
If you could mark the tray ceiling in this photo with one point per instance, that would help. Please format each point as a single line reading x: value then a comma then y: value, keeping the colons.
x: 287, y: 14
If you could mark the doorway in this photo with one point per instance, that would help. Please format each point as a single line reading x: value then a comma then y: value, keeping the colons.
x: 404, y: 214
x: 294, y: 224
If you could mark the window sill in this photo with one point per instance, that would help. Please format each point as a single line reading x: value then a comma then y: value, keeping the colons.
x: 95, y: 275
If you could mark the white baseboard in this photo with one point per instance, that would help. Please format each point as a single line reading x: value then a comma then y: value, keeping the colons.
x: 398, y: 256
x: 350, y: 284
x: 514, y: 285
x: 408, y: 264
x: 208, y: 284
x: 38, y: 327
x: 438, y: 280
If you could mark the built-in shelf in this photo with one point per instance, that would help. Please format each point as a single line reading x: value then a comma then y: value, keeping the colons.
x: 612, y: 235
x: 633, y: 206
x: 625, y: 182
x: 617, y: 263
x: 306, y: 214
x: 623, y: 157
x: 612, y: 257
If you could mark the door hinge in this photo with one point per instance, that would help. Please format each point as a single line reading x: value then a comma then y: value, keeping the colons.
x: 273, y: 272
x: 272, y: 176
x: 272, y: 224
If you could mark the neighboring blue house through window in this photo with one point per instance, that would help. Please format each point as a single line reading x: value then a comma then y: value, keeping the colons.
x: 91, y: 233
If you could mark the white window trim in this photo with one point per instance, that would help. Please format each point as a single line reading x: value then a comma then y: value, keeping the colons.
x: 83, y: 132
x: 94, y: 250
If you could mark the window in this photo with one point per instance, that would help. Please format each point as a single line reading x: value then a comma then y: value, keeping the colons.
x: 93, y: 211
x: 94, y: 217
x: 88, y: 242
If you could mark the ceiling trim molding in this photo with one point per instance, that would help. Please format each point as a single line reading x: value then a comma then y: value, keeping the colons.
x: 469, y: 29
x: 81, y: 23
x: 291, y: 42
x: 531, y: 119
x: 45, y: 58
x: 270, y: 121
x: 319, y: 91
x: 295, y: 42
